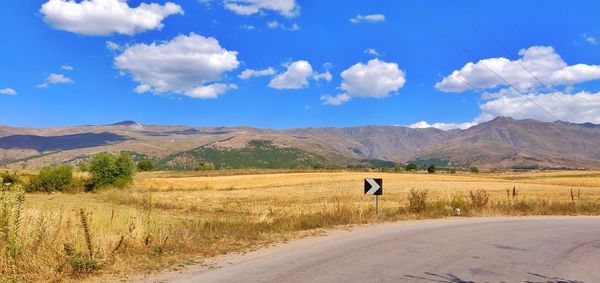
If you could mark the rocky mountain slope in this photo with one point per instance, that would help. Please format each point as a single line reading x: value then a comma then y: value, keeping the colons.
x: 502, y: 142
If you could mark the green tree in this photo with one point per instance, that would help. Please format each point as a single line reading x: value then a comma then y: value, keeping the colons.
x: 411, y: 167
x: 145, y: 165
x: 110, y: 170
x: 431, y: 169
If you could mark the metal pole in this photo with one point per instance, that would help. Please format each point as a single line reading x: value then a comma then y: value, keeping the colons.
x: 377, y: 204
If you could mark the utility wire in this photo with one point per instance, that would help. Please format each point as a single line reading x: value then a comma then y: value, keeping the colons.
x: 418, y: 52
x: 488, y: 33
x: 466, y: 51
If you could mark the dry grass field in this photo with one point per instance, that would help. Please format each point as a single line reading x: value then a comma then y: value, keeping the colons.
x: 167, y: 219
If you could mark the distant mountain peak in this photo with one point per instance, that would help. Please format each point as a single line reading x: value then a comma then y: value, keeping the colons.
x: 125, y: 123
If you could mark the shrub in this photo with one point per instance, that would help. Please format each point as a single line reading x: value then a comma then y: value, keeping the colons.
x: 431, y: 169
x: 411, y: 167
x: 145, y: 165
x: 10, y: 178
x: 417, y: 200
x: 110, y: 170
x: 452, y: 171
x: 204, y: 166
x: 479, y: 198
x: 50, y: 179
x: 474, y: 169
x: 397, y: 168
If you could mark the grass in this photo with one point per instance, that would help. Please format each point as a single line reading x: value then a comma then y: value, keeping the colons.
x: 171, y: 218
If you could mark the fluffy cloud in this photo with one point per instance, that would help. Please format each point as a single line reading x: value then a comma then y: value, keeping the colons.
x: 368, y: 18
x: 55, y: 79
x: 375, y: 79
x: 248, y: 73
x: 542, y: 61
x: 335, y: 100
x: 442, y: 126
x: 586, y: 104
x: 287, y: 8
x: 295, y: 77
x: 104, y: 17
x: 185, y: 65
x: 67, y: 68
x: 372, y: 51
x: 8, y: 91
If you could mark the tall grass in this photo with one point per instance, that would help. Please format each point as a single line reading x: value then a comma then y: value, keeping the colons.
x: 163, y: 222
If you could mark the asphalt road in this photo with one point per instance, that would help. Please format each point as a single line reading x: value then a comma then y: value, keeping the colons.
x: 527, y: 249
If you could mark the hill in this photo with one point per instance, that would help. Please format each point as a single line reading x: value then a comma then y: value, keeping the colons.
x: 502, y: 142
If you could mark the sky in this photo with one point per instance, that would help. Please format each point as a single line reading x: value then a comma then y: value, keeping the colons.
x: 294, y: 63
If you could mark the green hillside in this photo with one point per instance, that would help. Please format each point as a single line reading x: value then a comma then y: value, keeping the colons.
x: 257, y: 154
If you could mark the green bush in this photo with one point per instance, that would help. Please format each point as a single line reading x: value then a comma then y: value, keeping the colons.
x: 145, y: 165
x: 411, y: 167
x: 474, y: 169
x: 110, y: 170
x: 50, y: 179
x: 431, y: 169
x: 10, y: 178
x: 204, y: 166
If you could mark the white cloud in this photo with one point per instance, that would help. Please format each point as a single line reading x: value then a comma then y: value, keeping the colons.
x: 323, y: 76
x: 276, y: 24
x: 210, y: 91
x: 442, y: 126
x: 542, y: 61
x: 55, y: 79
x: 375, y: 79
x: 590, y: 38
x: 586, y: 104
x: 372, y: 51
x: 67, y: 68
x: 368, y: 18
x: 287, y: 8
x: 295, y: 77
x: 335, y: 100
x: 8, y: 91
x: 248, y: 73
x: 112, y: 45
x: 185, y: 65
x: 104, y: 17
x: 247, y: 27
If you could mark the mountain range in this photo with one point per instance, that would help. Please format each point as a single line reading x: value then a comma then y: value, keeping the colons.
x: 499, y: 143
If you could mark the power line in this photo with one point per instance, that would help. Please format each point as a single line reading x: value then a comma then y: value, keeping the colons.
x: 466, y: 51
x: 419, y: 53
x: 488, y: 33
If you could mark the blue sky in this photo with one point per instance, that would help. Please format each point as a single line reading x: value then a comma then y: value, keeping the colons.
x: 324, y: 63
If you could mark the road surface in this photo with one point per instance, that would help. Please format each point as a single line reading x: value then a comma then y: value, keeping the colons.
x: 525, y: 249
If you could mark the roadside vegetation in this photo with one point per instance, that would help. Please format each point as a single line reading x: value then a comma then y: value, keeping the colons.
x: 134, y: 223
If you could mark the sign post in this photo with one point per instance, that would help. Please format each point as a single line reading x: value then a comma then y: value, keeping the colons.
x: 374, y: 186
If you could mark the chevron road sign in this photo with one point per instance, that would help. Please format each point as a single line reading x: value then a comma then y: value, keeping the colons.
x: 374, y: 186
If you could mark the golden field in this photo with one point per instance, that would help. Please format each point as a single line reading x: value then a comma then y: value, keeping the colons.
x: 168, y: 218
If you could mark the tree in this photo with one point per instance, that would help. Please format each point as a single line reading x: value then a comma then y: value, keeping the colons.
x: 474, y: 169
x: 110, y: 170
x: 145, y: 165
x: 411, y: 167
x: 431, y: 169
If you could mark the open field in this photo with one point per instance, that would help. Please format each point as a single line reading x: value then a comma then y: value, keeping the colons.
x: 168, y: 218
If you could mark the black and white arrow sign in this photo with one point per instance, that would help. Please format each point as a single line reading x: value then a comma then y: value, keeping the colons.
x: 374, y: 186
